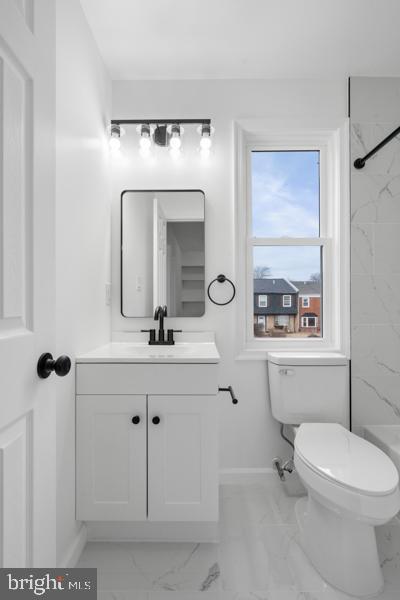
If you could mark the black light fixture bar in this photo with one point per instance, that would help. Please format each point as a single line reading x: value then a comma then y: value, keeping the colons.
x: 359, y: 163
x: 161, y: 121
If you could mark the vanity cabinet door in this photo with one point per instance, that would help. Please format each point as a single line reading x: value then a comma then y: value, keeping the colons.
x: 111, y: 458
x: 183, y: 458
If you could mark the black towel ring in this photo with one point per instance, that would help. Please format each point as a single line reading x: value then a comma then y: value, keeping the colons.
x: 221, y: 279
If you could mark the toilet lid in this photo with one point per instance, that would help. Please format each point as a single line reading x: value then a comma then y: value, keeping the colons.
x: 336, y: 453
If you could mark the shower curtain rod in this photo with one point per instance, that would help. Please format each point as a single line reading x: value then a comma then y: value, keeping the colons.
x: 359, y: 163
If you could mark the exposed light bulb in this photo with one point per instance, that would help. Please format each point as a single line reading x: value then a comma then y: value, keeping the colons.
x: 145, y: 142
x: 115, y: 143
x: 205, y: 142
x: 145, y: 131
x: 116, y: 131
x: 205, y: 131
x: 175, y: 142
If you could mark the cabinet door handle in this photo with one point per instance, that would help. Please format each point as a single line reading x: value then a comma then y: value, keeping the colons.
x: 156, y: 420
x: 136, y: 420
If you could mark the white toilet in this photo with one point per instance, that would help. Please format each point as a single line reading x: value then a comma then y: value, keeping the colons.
x: 352, y: 485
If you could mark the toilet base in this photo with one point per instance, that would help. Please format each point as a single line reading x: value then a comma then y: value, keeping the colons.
x: 342, y: 550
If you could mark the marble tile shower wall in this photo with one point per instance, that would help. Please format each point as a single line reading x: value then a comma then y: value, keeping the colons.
x: 375, y: 254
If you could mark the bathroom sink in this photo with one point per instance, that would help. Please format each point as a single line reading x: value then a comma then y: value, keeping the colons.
x: 140, y: 352
x: 175, y: 350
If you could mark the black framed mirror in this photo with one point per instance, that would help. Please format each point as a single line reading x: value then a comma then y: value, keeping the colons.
x: 162, y: 252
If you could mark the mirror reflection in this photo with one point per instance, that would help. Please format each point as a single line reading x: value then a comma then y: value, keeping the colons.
x: 162, y: 252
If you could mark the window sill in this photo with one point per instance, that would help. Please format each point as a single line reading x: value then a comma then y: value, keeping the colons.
x: 252, y: 353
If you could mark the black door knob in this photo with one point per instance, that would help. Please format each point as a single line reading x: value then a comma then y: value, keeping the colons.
x: 156, y: 420
x: 46, y: 364
x: 136, y: 420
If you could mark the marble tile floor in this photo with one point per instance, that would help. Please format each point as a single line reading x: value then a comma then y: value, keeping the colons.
x: 258, y: 557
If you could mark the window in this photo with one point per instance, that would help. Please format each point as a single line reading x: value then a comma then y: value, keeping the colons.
x: 309, y: 321
x: 285, y: 227
x: 281, y: 321
x: 292, y: 224
x: 262, y: 301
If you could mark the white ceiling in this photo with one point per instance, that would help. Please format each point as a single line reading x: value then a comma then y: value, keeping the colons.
x: 195, y: 39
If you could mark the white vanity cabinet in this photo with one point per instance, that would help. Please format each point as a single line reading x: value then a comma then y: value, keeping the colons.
x: 182, y: 457
x: 146, y: 447
x: 111, y: 462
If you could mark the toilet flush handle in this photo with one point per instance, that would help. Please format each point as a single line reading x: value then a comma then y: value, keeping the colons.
x: 289, y: 372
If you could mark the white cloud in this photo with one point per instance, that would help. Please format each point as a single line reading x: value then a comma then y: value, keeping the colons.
x: 279, y: 210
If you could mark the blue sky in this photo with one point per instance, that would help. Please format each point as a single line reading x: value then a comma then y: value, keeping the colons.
x: 285, y: 199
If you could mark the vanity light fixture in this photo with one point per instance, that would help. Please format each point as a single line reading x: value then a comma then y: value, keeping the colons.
x: 116, y: 131
x: 205, y: 131
x: 166, y: 133
x: 175, y: 132
x: 144, y: 131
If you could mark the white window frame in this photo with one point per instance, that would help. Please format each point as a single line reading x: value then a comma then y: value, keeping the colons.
x: 266, y: 300
x: 283, y: 300
x: 305, y: 319
x: 331, y: 139
x: 303, y: 301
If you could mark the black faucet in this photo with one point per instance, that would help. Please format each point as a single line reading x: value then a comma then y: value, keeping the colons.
x: 159, y: 314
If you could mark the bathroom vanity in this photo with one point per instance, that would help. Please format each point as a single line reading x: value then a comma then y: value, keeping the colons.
x: 146, y: 422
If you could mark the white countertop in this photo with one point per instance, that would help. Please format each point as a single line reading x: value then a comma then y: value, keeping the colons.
x: 141, y: 352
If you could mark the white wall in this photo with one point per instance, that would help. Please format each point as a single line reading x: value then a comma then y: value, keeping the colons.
x: 375, y: 268
x: 82, y: 231
x: 249, y: 436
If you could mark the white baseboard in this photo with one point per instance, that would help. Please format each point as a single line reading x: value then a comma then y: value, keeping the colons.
x: 75, y: 549
x: 247, y: 475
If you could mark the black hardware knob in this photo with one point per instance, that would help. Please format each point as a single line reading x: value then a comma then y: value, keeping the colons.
x: 156, y: 420
x: 136, y: 420
x: 46, y: 364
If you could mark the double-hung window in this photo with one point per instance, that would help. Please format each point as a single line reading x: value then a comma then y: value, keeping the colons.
x: 292, y: 230
x: 262, y: 301
x: 286, y: 301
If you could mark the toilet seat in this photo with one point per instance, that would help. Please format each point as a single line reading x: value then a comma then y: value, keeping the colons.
x: 346, y: 460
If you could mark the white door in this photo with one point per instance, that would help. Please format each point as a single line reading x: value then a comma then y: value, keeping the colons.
x: 27, y: 413
x: 111, y: 458
x: 159, y: 255
x: 182, y: 458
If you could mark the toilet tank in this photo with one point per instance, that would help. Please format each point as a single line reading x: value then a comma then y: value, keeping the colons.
x: 309, y: 388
